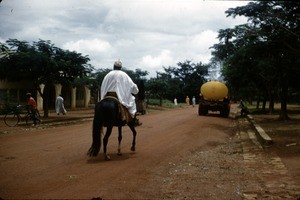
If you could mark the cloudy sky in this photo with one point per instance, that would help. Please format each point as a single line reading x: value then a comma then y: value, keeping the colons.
x: 144, y: 34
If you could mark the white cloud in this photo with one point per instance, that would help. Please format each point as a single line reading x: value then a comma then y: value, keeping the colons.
x: 202, y: 43
x: 144, y: 34
x: 94, y: 45
x: 99, y: 51
x: 205, y: 39
x: 155, y: 63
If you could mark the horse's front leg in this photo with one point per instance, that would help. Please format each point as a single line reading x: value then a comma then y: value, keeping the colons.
x: 120, y: 140
x: 134, y: 136
x: 105, y: 141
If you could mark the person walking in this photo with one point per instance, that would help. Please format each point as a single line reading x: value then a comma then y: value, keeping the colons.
x: 194, y: 101
x: 187, y: 100
x: 244, y: 109
x: 117, y: 83
x: 175, y: 102
x: 59, y: 105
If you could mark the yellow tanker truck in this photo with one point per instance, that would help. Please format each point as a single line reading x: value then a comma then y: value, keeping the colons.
x: 214, y: 97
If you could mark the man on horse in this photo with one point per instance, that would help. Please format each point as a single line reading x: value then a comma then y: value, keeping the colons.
x: 119, y: 85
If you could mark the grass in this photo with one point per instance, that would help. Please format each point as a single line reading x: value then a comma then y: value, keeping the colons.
x: 291, y: 109
x: 155, y: 103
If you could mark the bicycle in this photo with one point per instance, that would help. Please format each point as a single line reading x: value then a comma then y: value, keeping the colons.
x: 14, y: 116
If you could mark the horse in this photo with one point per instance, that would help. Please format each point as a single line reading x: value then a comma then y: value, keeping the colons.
x: 107, y: 114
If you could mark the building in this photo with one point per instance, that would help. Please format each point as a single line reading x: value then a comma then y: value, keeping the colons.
x: 15, y: 93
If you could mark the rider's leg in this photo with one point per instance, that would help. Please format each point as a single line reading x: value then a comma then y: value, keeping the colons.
x: 136, y: 121
x: 132, y: 112
x: 33, y: 113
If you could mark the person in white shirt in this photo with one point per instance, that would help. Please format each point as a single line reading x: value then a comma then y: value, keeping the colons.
x: 194, y: 101
x: 175, y: 101
x: 59, y: 105
x: 119, y: 83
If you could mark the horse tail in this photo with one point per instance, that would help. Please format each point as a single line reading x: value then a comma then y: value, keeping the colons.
x: 97, y: 129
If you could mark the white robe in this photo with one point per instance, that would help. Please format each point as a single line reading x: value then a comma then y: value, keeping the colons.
x: 119, y: 82
x: 59, y: 105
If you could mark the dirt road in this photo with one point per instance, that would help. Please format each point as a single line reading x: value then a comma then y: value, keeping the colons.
x: 178, y: 155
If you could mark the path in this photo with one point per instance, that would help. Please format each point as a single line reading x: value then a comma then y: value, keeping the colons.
x: 179, y: 155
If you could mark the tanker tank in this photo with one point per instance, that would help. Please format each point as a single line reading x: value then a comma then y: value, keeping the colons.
x: 214, y: 97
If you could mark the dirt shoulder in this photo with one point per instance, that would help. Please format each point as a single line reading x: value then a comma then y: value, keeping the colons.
x: 285, y: 136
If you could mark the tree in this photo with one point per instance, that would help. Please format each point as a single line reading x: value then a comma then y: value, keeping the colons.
x: 157, y: 87
x: 267, y: 47
x: 136, y: 75
x: 42, y: 63
x: 246, y: 62
x: 190, y: 75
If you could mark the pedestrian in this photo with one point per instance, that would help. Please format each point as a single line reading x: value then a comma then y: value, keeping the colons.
x: 187, y: 100
x: 244, y: 109
x: 32, y: 107
x: 59, y: 105
x: 194, y: 101
x: 175, y: 102
x: 117, y: 83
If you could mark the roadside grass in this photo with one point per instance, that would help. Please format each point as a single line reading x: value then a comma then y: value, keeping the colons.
x: 291, y: 109
x: 155, y: 104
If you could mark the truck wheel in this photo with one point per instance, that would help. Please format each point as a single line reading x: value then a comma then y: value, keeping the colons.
x: 225, y: 112
x: 199, y: 110
x: 205, y: 110
x: 202, y: 109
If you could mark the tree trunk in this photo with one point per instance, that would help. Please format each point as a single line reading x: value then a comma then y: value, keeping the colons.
x: 46, y: 108
x: 264, y: 104
x: 160, y: 101
x: 283, y: 112
x: 257, y: 102
x: 271, y: 104
x: 271, y: 101
x: 284, y: 96
x: 45, y: 96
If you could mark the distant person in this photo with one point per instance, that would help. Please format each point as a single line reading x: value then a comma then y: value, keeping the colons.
x: 175, y: 102
x: 59, y: 105
x: 187, y: 100
x: 201, y: 96
x: 244, y: 109
x: 194, y: 101
x: 226, y: 99
x: 31, y: 107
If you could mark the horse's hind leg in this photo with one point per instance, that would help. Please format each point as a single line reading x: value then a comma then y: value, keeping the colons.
x: 105, y: 141
x: 134, y: 136
x: 120, y: 140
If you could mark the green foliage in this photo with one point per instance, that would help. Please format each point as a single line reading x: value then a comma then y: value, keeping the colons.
x: 157, y: 87
x: 178, y: 82
x: 136, y: 75
x: 261, y: 56
x: 42, y: 63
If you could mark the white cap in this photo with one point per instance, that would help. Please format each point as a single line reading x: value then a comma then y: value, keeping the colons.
x: 118, y: 63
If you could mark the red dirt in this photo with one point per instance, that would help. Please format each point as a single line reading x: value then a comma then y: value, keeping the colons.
x: 178, y: 155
